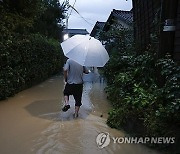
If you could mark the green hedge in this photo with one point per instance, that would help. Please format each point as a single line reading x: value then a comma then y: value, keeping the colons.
x: 144, y: 90
x: 26, y: 60
x: 140, y: 105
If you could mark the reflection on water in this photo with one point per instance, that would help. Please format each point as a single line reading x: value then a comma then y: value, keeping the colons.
x: 32, y: 122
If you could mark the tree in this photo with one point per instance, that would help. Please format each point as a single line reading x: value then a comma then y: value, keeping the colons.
x: 37, y: 16
x: 25, y: 8
x: 50, y: 22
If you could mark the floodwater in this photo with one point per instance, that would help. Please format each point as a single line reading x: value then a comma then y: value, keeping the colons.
x: 32, y: 122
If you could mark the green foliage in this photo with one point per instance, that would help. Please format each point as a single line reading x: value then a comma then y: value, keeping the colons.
x: 50, y: 22
x: 26, y: 57
x: 12, y: 23
x: 25, y: 8
x: 140, y: 105
x: 117, y: 39
x: 115, y: 114
x: 27, y: 60
x: 44, y: 17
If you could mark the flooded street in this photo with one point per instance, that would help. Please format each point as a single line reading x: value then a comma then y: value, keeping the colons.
x: 32, y: 122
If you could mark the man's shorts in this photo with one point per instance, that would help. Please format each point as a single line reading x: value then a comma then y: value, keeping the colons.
x: 76, y: 91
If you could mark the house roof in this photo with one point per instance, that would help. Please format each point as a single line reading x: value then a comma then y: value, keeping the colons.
x: 98, y: 26
x: 76, y: 31
x: 125, y: 16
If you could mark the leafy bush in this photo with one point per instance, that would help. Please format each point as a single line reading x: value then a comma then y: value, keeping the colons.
x: 27, y: 60
x: 142, y: 106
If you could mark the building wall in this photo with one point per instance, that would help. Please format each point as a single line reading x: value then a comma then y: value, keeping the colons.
x: 177, y: 36
x: 145, y: 14
x: 149, y: 17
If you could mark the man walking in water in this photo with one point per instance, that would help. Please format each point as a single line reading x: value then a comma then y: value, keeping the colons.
x: 73, y: 75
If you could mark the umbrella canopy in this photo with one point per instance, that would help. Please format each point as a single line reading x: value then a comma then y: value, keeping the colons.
x: 85, y: 50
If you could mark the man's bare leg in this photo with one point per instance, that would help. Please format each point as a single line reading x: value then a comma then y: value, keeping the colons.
x: 66, y: 106
x: 66, y: 100
x: 76, y: 111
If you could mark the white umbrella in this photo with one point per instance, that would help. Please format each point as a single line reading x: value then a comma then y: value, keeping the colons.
x: 85, y: 50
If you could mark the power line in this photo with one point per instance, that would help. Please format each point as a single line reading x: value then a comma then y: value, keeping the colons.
x: 73, y: 8
x: 88, y: 19
x: 70, y: 12
x: 81, y: 16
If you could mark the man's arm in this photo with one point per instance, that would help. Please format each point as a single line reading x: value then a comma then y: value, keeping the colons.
x: 65, y: 75
x: 66, y: 68
x: 85, y: 70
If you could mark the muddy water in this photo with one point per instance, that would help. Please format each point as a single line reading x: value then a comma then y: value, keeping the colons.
x: 32, y: 122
